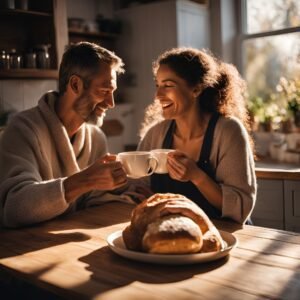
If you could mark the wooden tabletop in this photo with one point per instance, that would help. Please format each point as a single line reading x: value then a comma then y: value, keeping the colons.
x: 69, y: 258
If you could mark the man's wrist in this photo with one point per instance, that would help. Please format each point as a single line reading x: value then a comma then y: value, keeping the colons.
x: 75, y: 186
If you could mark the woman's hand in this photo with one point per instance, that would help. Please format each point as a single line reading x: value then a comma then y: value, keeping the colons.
x: 183, y: 168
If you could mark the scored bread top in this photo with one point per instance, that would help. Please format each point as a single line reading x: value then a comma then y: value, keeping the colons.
x: 174, y: 224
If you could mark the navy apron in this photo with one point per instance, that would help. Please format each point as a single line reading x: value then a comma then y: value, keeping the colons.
x: 163, y: 183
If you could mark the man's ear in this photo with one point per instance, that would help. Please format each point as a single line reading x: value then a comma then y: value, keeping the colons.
x: 197, y: 90
x: 76, y: 84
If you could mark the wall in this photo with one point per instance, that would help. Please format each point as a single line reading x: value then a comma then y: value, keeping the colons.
x: 17, y: 95
x: 82, y: 9
x: 88, y: 9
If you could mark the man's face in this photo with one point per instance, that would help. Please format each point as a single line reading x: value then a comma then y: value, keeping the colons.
x: 92, y: 104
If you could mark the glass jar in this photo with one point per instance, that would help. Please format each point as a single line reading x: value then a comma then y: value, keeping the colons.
x: 15, y: 60
x: 4, y: 60
x: 42, y: 56
x: 30, y: 60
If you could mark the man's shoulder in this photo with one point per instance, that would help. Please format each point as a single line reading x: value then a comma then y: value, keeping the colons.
x: 28, y: 116
x: 96, y: 133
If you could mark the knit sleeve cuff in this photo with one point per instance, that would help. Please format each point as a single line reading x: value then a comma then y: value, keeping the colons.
x: 232, y: 207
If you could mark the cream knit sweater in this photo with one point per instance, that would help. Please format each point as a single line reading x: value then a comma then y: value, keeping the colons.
x: 232, y: 160
x: 36, y: 155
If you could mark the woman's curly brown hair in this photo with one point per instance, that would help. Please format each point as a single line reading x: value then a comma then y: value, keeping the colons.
x: 223, y: 87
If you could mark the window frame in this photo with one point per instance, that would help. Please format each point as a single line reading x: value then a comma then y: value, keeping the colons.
x: 244, y: 36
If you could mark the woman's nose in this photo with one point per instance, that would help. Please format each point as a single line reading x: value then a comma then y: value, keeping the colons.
x: 159, y: 92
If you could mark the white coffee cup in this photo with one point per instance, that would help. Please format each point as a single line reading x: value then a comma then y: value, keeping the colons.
x: 138, y: 163
x: 161, y: 155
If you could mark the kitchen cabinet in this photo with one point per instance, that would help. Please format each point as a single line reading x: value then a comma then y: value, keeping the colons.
x: 41, y: 23
x: 278, y: 204
x: 103, y: 39
x: 292, y: 205
x: 269, y: 207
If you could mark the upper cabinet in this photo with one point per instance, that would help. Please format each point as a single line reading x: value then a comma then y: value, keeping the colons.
x: 101, y: 31
x: 33, y: 35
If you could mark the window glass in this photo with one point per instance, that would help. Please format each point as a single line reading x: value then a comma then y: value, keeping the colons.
x: 268, y: 15
x: 270, y: 58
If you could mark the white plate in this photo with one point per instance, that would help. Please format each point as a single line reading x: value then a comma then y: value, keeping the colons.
x: 116, y: 244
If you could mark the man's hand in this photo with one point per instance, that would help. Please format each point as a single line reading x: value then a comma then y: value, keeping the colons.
x: 104, y: 174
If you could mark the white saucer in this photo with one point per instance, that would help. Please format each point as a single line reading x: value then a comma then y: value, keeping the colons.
x: 116, y: 244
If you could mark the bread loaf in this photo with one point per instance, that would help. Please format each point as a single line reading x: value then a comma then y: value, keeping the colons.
x: 171, y: 224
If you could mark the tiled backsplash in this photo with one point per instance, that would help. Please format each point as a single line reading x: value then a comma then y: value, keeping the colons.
x: 17, y: 95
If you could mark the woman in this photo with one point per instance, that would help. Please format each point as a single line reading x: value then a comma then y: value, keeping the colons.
x: 200, y: 111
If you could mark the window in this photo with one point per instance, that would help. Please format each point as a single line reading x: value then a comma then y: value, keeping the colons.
x: 270, y: 47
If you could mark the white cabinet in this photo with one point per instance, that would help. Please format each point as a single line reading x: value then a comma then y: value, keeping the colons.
x: 278, y: 204
x: 292, y: 205
x: 147, y: 31
x: 269, y: 207
x: 193, y: 28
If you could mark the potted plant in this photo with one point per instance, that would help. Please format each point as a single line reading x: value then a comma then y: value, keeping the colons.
x: 289, y: 90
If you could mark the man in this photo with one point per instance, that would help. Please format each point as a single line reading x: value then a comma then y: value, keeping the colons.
x: 53, y: 157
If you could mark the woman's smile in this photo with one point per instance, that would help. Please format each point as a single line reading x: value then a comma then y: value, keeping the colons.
x: 166, y: 104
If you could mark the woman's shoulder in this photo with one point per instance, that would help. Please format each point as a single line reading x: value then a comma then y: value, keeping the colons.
x: 154, y: 136
x: 158, y: 128
x: 230, y: 125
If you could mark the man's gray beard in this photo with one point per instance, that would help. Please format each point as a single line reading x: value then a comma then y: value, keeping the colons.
x: 84, y: 108
x: 95, y: 120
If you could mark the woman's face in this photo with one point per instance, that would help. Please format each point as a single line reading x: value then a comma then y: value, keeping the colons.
x: 174, y: 94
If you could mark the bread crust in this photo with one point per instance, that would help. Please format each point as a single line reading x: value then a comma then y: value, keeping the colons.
x: 156, y: 210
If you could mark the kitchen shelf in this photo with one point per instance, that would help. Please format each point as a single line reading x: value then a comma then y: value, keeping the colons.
x: 29, y: 74
x: 104, y: 39
x: 20, y: 12
x: 86, y: 34
x: 44, y: 23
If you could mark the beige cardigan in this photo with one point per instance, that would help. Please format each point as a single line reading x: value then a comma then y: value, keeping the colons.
x: 232, y: 159
x: 36, y: 156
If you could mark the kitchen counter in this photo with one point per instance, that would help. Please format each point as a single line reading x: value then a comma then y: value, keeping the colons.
x: 270, y: 169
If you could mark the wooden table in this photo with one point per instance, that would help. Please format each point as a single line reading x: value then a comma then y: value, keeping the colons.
x: 69, y: 258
